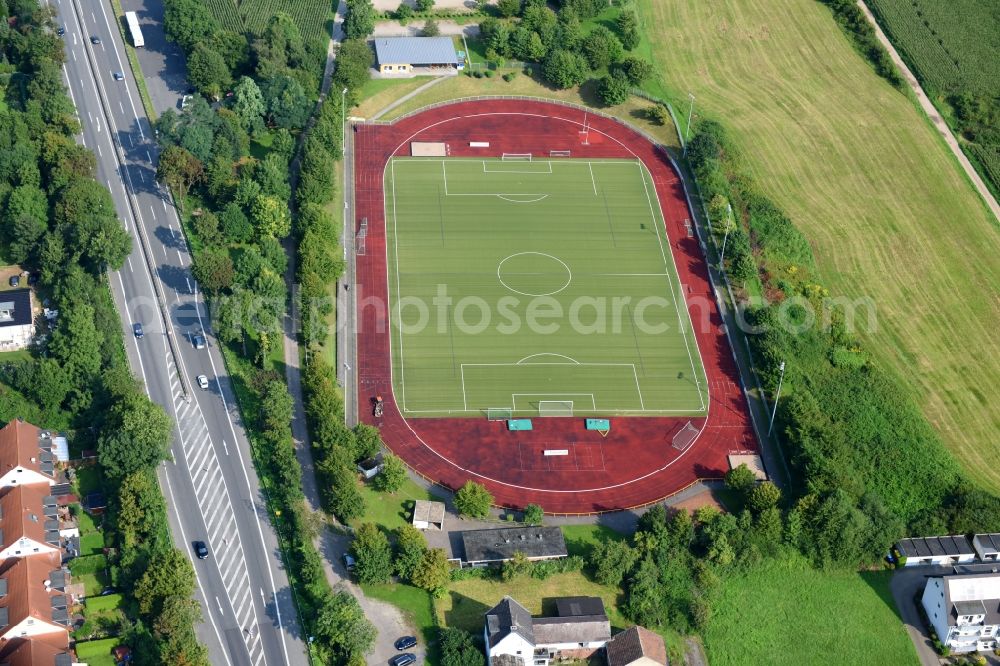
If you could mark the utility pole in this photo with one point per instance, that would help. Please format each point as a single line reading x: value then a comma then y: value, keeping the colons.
x: 687, y: 132
x: 777, y: 395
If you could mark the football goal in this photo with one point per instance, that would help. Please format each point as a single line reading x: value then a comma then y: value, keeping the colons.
x: 555, y: 408
x: 516, y: 157
x: 499, y: 413
x: 559, y: 153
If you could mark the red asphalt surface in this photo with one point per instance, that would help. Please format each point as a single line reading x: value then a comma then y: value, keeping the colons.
x: 636, y: 463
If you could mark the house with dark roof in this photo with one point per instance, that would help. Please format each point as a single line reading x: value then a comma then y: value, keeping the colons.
x: 30, y: 606
x: 401, y: 55
x: 29, y: 522
x: 494, y: 546
x: 987, y: 547
x: 636, y: 646
x: 16, y: 321
x: 943, y: 550
x: 964, y: 609
x: 513, y: 637
x: 25, y: 455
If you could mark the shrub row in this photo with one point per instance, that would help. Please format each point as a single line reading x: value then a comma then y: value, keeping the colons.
x: 853, y: 21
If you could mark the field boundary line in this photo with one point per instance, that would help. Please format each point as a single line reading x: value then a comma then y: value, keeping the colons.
x: 643, y: 171
x: 399, y: 314
x: 590, y: 166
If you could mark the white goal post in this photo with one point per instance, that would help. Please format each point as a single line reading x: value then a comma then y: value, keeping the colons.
x: 516, y: 157
x: 499, y: 413
x: 559, y: 153
x: 555, y: 408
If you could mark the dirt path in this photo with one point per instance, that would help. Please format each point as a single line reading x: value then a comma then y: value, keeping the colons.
x: 932, y: 113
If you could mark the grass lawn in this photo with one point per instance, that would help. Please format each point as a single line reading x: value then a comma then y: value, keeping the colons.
x: 88, y: 480
x: 756, y: 616
x: 581, y: 539
x: 380, y: 93
x: 91, y: 544
x: 85, y: 521
x: 14, y: 356
x: 503, y: 233
x: 103, y: 604
x: 391, y: 511
x: 860, y: 170
x: 632, y: 111
x: 93, y: 583
x: 97, y: 653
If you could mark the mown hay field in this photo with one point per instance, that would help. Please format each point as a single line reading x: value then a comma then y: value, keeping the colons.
x: 860, y: 170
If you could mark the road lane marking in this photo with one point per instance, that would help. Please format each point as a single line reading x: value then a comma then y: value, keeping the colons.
x: 220, y: 605
x: 129, y: 137
x: 130, y: 263
x: 191, y: 291
x: 224, y: 446
x: 148, y: 158
x: 121, y: 107
x: 99, y: 152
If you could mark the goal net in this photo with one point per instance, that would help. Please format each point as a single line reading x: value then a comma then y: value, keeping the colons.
x: 516, y: 157
x: 559, y: 153
x: 499, y: 413
x: 555, y: 408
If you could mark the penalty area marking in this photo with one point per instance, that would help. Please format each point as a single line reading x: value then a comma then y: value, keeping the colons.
x: 572, y: 361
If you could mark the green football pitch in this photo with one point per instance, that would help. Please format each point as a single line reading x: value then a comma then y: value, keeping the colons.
x: 541, y: 287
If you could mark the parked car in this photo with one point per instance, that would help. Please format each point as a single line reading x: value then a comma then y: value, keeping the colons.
x: 403, y: 659
x: 14, y: 281
x: 198, y: 340
x: 94, y: 39
x: 405, y: 643
x: 137, y: 330
x: 203, y: 382
x: 119, y: 76
x: 200, y: 549
x: 348, y: 561
x: 32, y: 279
x: 61, y: 30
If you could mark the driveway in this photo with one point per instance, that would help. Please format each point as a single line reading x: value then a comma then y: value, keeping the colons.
x: 163, y: 65
x: 905, y: 585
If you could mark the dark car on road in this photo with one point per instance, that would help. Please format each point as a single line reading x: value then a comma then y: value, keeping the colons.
x: 137, y: 330
x: 198, y: 340
x: 200, y: 549
x: 119, y: 76
x: 403, y: 659
x: 405, y: 643
x: 61, y: 30
x: 94, y: 39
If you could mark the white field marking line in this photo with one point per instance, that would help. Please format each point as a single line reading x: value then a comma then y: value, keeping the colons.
x: 637, y: 388
x: 505, y: 198
x: 592, y: 181
x: 465, y: 401
x: 399, y: 293
x: 673, y: 292
x: 592, y: 401
x: 549, y: 164
x: 568, y: 358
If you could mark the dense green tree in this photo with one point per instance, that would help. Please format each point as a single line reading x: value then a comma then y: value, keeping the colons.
x: 615, y: 89
x: 360, y: 20
x: 286, y: 101
x: 764, y: 495
x: 433, y: 572
x: 169, y: 574
x: 354, y: 60
x: 410, y: 547
x: 25, y: 220
x: 403, y: 13
x: 341, y: 494
x: 213, y: 269
x: 612, y: 560
x: 341, y: 623
x: 564, y: 69
x: 368, y: 441
x: 188, y: 22
x: 206, y: 228
x: 533, y: 514
x: 509, y: 8
x: 270, y: 217
x: 473, y: 500
x: 518, y: 565
x: 136, y: 436
x: 636, y: 70
x: 372, y: 554
x: 458, y: 648
x: 740, y: 479
x: 425, y: 5
x: 248, y: 105
x: 179, y: 170
x: 602, y: 48
x: 236, y: 226
x: 627, y: 25
x: 174, y: 629
x: 76, y: 344
x: 86, y: 214
x: 392, y: 475
x: 208, y: 71
x: 431, y: 28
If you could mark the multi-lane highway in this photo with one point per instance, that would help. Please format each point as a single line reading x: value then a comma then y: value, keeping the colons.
x: 210, y: 485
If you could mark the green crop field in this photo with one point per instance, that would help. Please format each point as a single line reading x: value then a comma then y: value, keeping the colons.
x: 530, y: 284
x: 863, y: 174
x: 310, y: 16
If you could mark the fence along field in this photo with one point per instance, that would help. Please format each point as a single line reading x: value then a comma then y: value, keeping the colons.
x: 310, y: 16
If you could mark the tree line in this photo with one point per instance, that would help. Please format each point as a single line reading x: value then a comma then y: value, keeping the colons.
x: 60, y: 223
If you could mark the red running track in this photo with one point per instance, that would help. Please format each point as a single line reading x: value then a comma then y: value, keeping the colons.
x: 636, y: 463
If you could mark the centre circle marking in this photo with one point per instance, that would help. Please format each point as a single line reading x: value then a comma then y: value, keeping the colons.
x: 569, y: 273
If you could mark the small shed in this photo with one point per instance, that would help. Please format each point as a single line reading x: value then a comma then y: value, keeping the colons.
x: 400, y: 55
x: 369, y: 467
x: 428, y: 515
